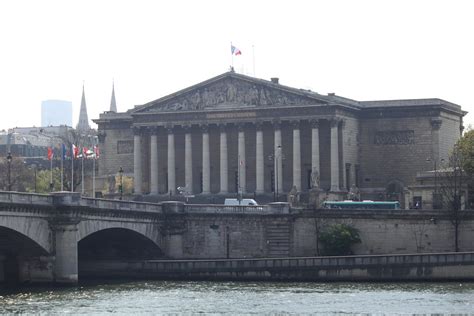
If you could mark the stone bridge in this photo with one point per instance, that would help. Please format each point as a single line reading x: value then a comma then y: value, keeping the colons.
x: 50, y: 238
x: 41, y: 236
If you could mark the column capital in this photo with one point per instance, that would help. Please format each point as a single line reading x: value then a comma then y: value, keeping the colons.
x: 153, y: 130
x: 276, y: 124
x: 259, y: 125
x: 241, y: 126
x: 204, y: 128
x: 187, y: 128
x: 436, y: 124
x: 335, y: 121
x: 295, y: 124
x: 314, y: 123
x: 169, y: 129
x: 137, y: 130
x: 222, y: 127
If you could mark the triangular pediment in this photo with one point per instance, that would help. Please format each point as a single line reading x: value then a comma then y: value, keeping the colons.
x: 229, y: 91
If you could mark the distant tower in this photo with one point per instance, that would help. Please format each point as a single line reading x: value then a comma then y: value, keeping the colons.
x: 83, y: 124
x: 113, y: 104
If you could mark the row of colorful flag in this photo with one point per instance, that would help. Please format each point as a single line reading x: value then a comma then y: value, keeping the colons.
x: 75, y: 152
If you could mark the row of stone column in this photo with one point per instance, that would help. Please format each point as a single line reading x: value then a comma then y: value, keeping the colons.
x: 242, y: 184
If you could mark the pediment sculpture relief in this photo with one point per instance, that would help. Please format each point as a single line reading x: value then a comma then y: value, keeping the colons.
x: 231, y: 93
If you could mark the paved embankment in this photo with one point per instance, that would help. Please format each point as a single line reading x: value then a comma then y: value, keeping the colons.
x: 415, y: 267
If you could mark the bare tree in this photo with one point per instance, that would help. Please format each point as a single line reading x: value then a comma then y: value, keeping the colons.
x: 453, y: 185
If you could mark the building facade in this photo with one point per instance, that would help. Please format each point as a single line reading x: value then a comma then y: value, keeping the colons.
x: 234, y: 133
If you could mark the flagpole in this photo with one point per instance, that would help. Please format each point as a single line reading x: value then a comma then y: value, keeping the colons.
x: 51, y: 174
x: 232, y: 55
x: 62, y: 167
x: 72, y: 169
x: 93, y: 175
x: 82, y: 171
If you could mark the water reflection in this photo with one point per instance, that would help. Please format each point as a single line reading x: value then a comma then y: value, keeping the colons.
x: 245, y: 298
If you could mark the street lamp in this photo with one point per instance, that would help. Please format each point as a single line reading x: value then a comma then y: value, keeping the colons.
x: 33, y: 166
x: 121, y: 183
x: 9, y: 163
x: 277, y: 156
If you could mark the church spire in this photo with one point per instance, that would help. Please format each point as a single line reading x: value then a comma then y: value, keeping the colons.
x: 83, y: 124
x: 113, y: 104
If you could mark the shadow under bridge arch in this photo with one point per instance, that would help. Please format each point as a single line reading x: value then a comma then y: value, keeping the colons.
x: 117, y: 244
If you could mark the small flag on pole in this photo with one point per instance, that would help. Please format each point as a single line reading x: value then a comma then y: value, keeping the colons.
x: 63, y: 152
x: 235, y: 51
x: 74, y: 151
x: 50, y: 153
x: 96, y: 152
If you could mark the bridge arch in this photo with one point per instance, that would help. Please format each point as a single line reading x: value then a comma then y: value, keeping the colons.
x: 148, y: 230
x: 35, y: 229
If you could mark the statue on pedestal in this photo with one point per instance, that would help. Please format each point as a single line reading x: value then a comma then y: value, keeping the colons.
x: 354, y: 193
x: 315, y: 191
x: 293, y: 196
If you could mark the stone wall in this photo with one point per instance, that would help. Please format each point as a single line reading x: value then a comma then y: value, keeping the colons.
x: 250, y: 236
x: 394, y: 149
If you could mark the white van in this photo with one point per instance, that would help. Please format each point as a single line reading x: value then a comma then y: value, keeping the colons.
x: 243, y: 202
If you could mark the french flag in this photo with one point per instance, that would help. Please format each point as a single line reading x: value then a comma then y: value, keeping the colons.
x: 235, y: 51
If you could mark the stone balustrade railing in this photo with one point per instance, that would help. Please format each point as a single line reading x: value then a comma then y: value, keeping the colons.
x: 25, y: 198
x: 73, y: 198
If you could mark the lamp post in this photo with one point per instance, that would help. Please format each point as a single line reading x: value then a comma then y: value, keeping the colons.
x: 121, y: 183
x: 277, y: 156
x: 33, y: 166
x: 9, y: 163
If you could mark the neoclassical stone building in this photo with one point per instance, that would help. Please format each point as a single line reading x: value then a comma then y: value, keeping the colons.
x: 235, y: 133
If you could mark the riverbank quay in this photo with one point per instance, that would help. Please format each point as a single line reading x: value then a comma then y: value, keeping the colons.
x: 408, y: 267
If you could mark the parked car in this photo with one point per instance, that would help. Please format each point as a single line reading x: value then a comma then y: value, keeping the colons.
x: 243, y: 202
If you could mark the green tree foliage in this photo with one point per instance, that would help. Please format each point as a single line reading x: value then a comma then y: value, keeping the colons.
x: 19, y: 174
x: 43, y: 179
x: 465, y: 147
x: 338, y: 239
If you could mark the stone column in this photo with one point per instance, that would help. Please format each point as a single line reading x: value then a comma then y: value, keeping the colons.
x: 259, y: 187
x: 171, y: 162
x: 296, y: 156
x: 334, y: 155
x: 241, y: 162
x: 315, y: 173
x: 65, y: 252
x: 223, y: 159
x: 188, y: 160
x: 206, y: 164
x: 137, y: 162
x: 278, y: 154
x: 154, y: 161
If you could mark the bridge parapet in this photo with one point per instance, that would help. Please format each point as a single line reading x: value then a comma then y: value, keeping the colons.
x: 25, y: 198
x: 272, y: 208
x: 122, y: 205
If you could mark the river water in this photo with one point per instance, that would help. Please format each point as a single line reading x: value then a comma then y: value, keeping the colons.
x: 243, y: 298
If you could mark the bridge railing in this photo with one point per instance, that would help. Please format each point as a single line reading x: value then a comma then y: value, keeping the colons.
x: 25, y: 198
x: 237, y: 209
x: 121, y: 205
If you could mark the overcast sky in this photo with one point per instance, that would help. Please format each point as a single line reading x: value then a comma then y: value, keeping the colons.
x: 364, y: 50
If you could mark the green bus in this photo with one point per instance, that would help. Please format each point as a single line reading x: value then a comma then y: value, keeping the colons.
x: 362, y: 205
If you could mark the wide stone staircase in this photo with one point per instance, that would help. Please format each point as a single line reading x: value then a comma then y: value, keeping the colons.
x: 278, y: 239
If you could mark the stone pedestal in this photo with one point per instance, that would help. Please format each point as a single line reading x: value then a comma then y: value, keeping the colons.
x: 315, y: 197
